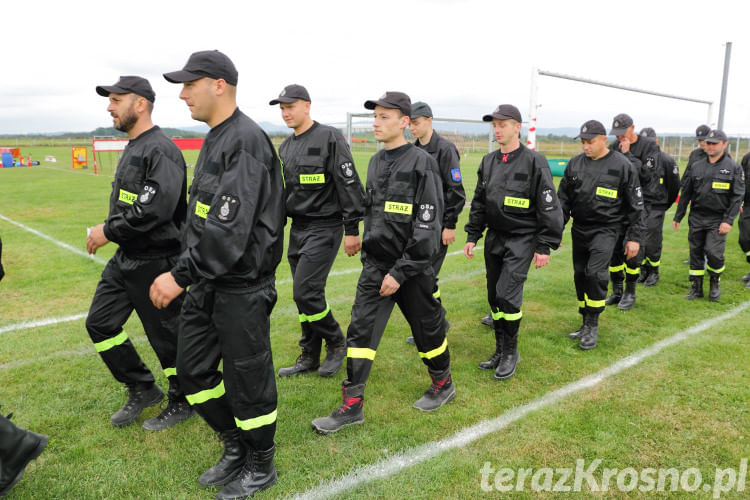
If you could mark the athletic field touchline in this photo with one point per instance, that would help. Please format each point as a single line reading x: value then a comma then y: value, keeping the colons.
x: 396, y: 463
x: 40, y: 322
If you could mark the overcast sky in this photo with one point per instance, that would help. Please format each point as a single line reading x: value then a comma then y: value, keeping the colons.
x: 462, y: 57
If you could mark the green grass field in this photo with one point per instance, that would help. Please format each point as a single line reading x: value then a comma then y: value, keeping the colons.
x: 685, y: 407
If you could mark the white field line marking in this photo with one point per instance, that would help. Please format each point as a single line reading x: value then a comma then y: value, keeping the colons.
x: 40, y: 322
x: 53, y: 240
x: 414, y: 456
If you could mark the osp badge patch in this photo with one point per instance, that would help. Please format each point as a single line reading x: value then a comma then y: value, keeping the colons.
x: 147, y: 194
x: 456, y: 174
x: 228, y: 207
x: 347, y: 169
x: 426, y: 212
x: 650, y: 162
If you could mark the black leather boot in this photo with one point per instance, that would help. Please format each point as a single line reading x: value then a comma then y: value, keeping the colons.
x: 510, y: 357
x: 714, y: 292
x: 577, y: 334
x: 350, y: 412
x: 139, y: 398
x: 616, y: 291
x: 696, y: 288
x: 590, y: 333
x: 645, y: 273
x: 18, y: 447
x: 257, y: 474
x: 440, y: 391
x: 306, y: 362
x: 628, y: 298
x: 230, y: 463
x: 491, y: 363
x: 653, y: 277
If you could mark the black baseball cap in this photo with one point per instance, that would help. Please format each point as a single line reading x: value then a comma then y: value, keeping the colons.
x: 128, y: 85
x: 504, y: 112
x: 647, y: 132
x: 206, y: 63
x: 292, y: 93
x: 420, y: 108
x: 620, y: 124
x: 591, y: 129
x: 392, y: 100
x: 701, y: 132
x: 716, y: 136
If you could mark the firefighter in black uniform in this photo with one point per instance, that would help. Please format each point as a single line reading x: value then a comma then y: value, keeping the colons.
x: 744, y: 221
x: 658, y: 197
x: 601, y: 192
x: 696, y: 154
x: 234, y: 242
x: 715, y: 188
x: 324, y: 198
x: 146, y: 215
x: 447, y: 157
x: 643, y: 154
x: 515, y: 199
x: 403, y: 215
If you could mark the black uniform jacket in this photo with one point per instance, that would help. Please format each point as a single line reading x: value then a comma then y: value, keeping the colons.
x: 147, y: 205
x: 746, y: 169
x: 448, y: 159
x: 604, y: 192
x: 403, y: 210
x: 644, y: 154
x: 235, y: 223
x: 714, y: 190
x: 515, y: 194
x: 322, y: 184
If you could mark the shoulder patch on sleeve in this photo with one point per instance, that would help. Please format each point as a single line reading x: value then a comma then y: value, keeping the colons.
x: 148, y: 193
x: 456, y: 174
x: 426, y: 212
x: 227, y: 208
x: 347, y: 169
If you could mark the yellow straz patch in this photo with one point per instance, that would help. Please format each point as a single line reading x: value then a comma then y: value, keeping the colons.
x: 607, y: 193
x: 720, y: 185
x: 127, y: 197
x: 312, y: 178
x: 395, y: 207
x: 201, y: 209
x: 516, y: 202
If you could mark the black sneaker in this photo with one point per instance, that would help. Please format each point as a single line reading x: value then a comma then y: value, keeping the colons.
x: 174, y: 413
x: 138, y: 400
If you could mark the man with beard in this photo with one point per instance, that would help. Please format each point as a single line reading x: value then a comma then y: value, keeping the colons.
x: 233, y: 242
x: 324, y: 199
x: 146, y: 215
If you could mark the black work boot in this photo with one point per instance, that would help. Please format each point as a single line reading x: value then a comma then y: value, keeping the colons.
x: 350, y: 412
x: 653, y: 277
x: 491, y: 363
x: 510, y: 357
x: 18, y: 447
x: 590, y: 333
x: 306, y: 362
x: 256, y: 475
x: 334, y: 357
x: 746, y: 278
x: 230, y: 463
x: 714, y: 292
x: 487, y: 321
x: 696, y: 288
x: 139, y: 398
x: 177, y: 410
x: 628, y: 298
x: 616, y: 292
x: 645, y: 273
x: 440, y: 391
x: 577, y: 334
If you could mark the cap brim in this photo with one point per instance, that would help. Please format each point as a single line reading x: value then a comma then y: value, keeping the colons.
x: 285, y: 100
x: 105, y: 90
x: 182, y: 76
x: 586, y: 136
x: 618, y: 131
x: 713, y: 140
x: 700, y: 137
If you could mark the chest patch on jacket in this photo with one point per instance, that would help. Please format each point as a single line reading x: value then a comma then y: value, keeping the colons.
x: 395, y: 207
x: 228, y: 206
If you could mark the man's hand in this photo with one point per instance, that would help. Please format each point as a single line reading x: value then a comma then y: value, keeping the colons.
x: 631, y: 249
x: 469, y: 250
x: 624, y: 145
x: 96, y: 239
x: 675, y: 225
x: 352, y: 245
x: 724, y: 228
x: 449, y: 236
x: 164, y: 290
x: 389, y: 286
x: 541, y: 260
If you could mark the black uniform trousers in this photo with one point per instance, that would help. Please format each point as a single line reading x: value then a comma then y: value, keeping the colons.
x: 437, y: 263
x: 654, y: 237
x: 507, y: 258
x: 743, y: 223
x: 592, y: 250
x: 706, y: 248
x: 370, y: 315
x: 312, y: 251
x: 624, y: 269
x: 123, y: 287
x: 230, y: 324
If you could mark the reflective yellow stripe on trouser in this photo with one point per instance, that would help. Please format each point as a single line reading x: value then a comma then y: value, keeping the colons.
x: 435, y: 352
x: 697, y: 272
x: 203, y: 396
x: 651, y: 262
x: 168, y: 372
x: 108, y: 344
x: 593, y: 303
x: 629, y: 270
x: 360, y: 352
x: 314, y: 317
x: 253, y: 423
x: 507, y: 316
x: 716, y: 271
x: 436, y: 294
x: 616, y: 269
